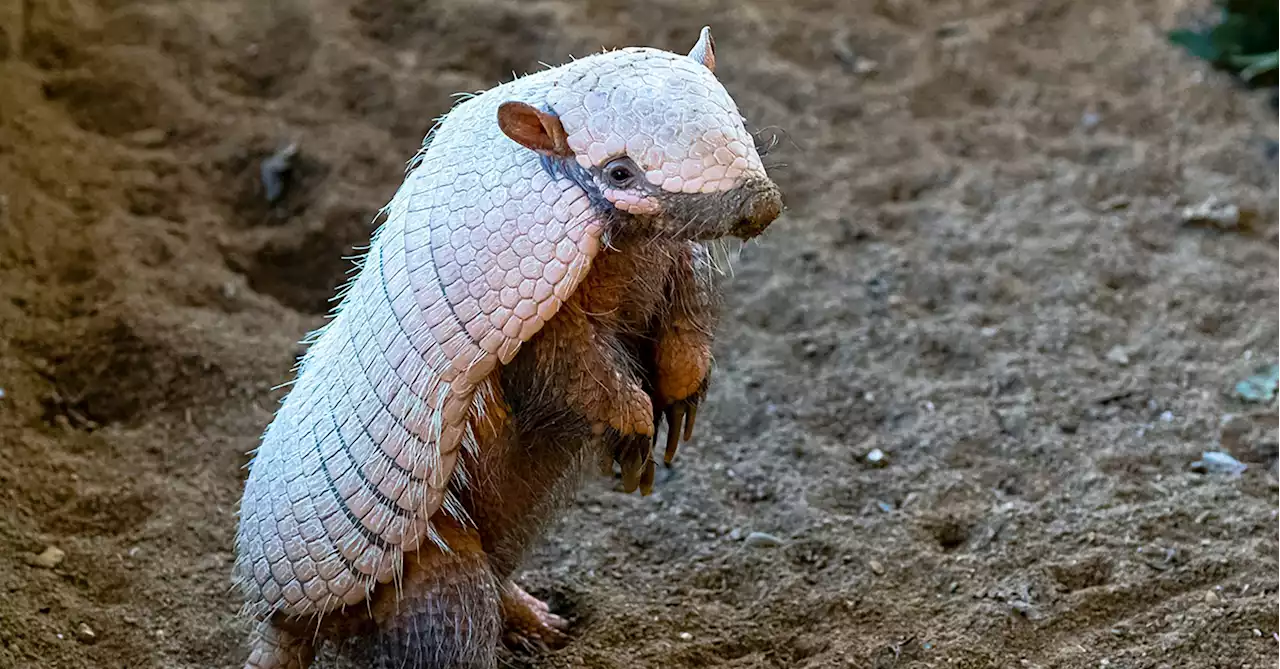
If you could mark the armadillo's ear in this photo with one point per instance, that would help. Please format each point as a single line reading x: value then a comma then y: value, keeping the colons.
x: 705, y: 50
x: 534, y: 129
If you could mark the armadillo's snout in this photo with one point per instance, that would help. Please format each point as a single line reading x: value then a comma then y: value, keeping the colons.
x: 762, y: 208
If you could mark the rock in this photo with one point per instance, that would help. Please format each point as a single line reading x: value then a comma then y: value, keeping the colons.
x: 149, y: 137
x: 685, y: 636
x: 865, y: 66
x: 1078, y: 574
x: 86, y: 634
x: 1260, y: 386
x: 845, y: 54
x: 735, y: 534
x: 951, y: 30
x: 763, y: 540
x: 876, y: 458
x: 876, y: 568
x: 1213, y: 212
x: 276, y: 170
x: 1212, y: 598
x: 1217, y: 462
x: 48, y: 559
x: 1115, y: 203
x: 1118, y: 355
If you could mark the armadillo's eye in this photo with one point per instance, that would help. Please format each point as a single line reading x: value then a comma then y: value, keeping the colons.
x: 620, y: 173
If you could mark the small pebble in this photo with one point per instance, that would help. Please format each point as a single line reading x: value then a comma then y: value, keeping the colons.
x: 876, y: 568
x: 275, y: 172
x: 86, y: 634
x: 1214, y: 212
x: 1118, y: 355
x: 685, y: 636
x: 1261, y: 385
x: 1090, y: 120
x: 149, y: 137
x: 876, y: 458
x: 1114, y: 203
x: 885, y: 506
x: 1211, y: 597
x: 763, y: 540
x: 1166, y: 417
x: 735, y: 534
x: 1, y: 393
x: 865, y: 66
x: 1217, y: 462
x: 50, y: 558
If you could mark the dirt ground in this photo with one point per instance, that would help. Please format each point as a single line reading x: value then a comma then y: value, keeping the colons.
x: 984, y: 273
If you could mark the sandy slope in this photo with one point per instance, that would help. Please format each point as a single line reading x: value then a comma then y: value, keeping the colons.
x: 985, y: 203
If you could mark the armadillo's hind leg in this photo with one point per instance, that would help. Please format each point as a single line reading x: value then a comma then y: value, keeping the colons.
x: 274, y: 648
x: 529, y: 622
x: 446, y: 613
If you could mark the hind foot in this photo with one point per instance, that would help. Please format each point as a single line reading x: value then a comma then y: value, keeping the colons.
x: 529, y: 622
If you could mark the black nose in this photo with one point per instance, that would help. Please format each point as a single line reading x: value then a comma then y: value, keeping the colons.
x: 764, y: 206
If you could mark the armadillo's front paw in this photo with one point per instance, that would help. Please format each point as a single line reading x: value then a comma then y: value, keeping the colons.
x: 679, y: 415
x: 529, y: 622
x: 634, y: 455
x: 632, y: 415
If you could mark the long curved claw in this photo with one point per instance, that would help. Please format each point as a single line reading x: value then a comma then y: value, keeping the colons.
x: 675, y: 417
x: 605, y: 461
x: 633, y: 461
x: 688, y: 421
x: 680, y: 418
x: 646, y: 478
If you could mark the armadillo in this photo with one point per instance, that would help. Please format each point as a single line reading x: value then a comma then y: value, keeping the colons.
x: 538, y: 298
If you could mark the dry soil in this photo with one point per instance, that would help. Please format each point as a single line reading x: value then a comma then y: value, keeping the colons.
x: 984, y: 274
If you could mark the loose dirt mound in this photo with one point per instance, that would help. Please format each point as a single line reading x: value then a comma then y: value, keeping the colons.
x: 983, y: 274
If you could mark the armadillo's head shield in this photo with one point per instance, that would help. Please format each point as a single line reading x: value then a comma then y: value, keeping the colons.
x: 655, y: 140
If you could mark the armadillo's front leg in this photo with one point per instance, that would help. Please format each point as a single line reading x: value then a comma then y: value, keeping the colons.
x: 684, y: 345
x: 597, y: 379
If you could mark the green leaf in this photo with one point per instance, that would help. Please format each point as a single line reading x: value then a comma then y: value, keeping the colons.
x: 1267, y: 62
x: 1201, y: 45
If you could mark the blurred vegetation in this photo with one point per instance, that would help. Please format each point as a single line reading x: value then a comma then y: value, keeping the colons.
x: 1243, y: 42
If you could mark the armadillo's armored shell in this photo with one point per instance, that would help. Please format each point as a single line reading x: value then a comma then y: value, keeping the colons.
x: 481, y: 246
x: 667, y: 112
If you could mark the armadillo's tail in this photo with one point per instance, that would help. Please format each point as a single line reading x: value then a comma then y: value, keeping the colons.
x: 275, y: 648
x: 446, y: 615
